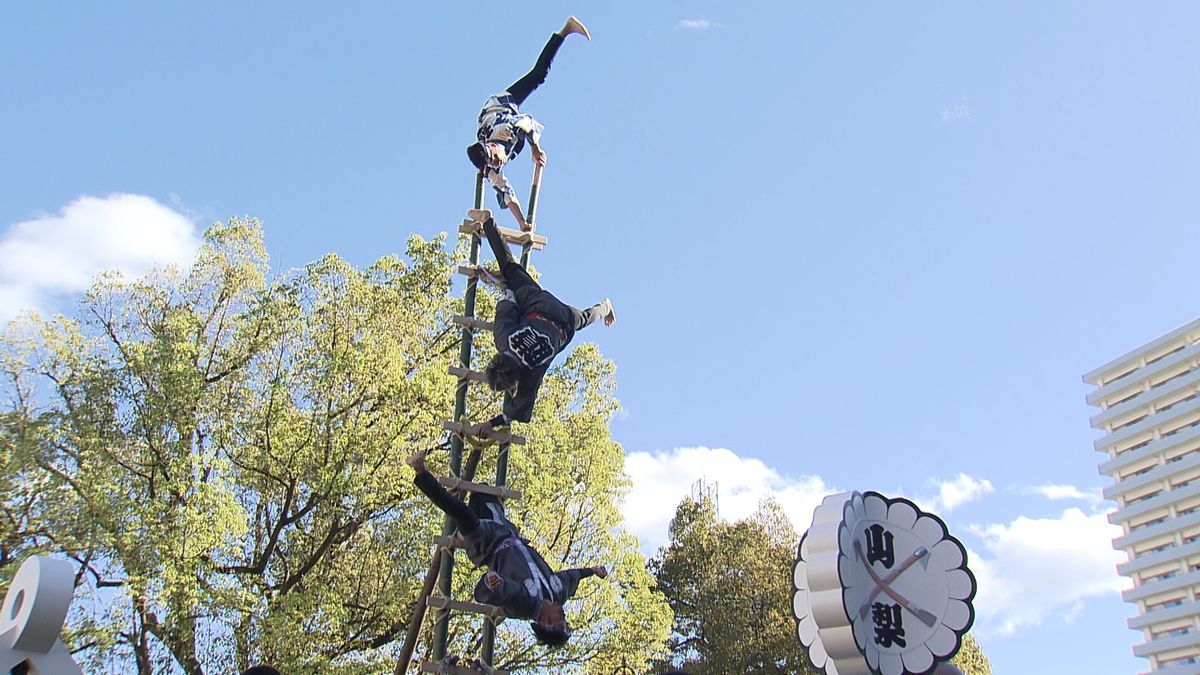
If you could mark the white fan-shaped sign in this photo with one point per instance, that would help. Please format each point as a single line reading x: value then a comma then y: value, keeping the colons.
x: 880, y: 587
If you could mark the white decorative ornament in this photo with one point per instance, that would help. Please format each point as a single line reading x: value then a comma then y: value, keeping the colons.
x: 880, y: 587
x: 33, y: 615
x: 821, y: 621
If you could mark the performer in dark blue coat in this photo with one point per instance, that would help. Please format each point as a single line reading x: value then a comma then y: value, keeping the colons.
x: 531, y: 328
x: 518, y: 579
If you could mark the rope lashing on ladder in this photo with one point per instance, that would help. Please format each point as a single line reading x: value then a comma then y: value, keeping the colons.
x: 475, y: 442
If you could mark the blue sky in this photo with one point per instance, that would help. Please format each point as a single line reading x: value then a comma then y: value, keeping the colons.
x: 852, y: 245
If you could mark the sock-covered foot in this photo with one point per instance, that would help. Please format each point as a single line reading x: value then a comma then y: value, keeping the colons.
x: 610, y: 315
x: 574, y: 25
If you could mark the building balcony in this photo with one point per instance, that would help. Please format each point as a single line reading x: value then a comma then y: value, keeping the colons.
x: 1167, y: 644
x: 1143, y: 400
x: 1173, y: 554
x: 1131, y: 511
x: 1165, y: 444
x: 1148, y: 619
x: 1170, y: 525
x: 1162, y: 586
x: 1172, y: 669
x: 1157, y: 474
x: 1137, y: 377
x: 1159, y: 420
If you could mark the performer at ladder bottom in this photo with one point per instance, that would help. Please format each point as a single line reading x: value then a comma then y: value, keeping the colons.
x: 518, y: 579
x: 531, y: 328
x: 503, y: 131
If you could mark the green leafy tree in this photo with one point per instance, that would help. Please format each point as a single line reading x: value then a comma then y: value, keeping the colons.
x: 221, y: 456
x: 970, y: 658
x: 729, y: 586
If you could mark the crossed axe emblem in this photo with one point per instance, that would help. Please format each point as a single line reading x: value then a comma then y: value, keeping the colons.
x: 884, y: 584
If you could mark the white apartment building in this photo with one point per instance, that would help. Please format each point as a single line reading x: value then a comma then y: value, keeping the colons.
x: 1149, y: 402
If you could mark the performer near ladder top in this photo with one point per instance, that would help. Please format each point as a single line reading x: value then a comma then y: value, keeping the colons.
x: 531, y: 328
x: 518, y: 579
x: 504, y: 131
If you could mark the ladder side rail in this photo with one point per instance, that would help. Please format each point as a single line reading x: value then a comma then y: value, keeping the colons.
x: 488, y: 648
x: 442, y: 626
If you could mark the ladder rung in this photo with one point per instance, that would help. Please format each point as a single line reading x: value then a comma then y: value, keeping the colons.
x: 490, y: 611
x: 435, y: 667
x: 534, y: 241
x: 451, y: 483
x: 467, y: 374
x: 472, y: 271
x: 474, y: 323
x: 500, y: 437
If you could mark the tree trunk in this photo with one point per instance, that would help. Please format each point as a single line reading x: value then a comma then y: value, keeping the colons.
x: 181, y: 640
x: 139, y: 637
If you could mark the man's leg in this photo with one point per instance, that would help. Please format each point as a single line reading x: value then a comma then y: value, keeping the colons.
x: 584, y: 318
x: 522, y: 88
x: 463, y: 516
x: 515, y: 276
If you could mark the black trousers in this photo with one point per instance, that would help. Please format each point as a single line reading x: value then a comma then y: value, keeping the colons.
x: 517, y: 277
x: 586, y: 317
x: 522, y: 88
x: 464, y: 517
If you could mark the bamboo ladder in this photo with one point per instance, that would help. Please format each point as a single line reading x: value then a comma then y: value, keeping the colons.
x: 441, y: 567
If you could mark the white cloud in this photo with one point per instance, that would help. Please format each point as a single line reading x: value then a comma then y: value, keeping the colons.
x: 1035, y: 569
x: 954, y: 493
x: 1056, y: 492
x: 662, y: 480
x: 958, y: 111
x: 698, y: 24
x: 51, y: 256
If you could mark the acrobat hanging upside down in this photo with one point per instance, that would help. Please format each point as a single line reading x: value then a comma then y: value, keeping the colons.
x: 518, y: 579
x: 531, y: 328
x: 503, y: 131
